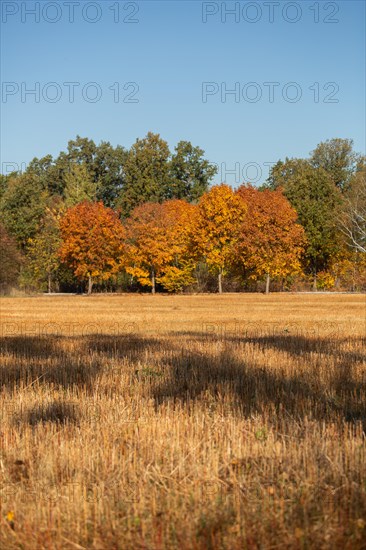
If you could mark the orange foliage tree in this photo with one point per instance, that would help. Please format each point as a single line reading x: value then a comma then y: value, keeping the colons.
x: 216, y: 228
x: 92, y: 241
x: 272, y: 241
x: 157, y: 244
x: 178, y: 273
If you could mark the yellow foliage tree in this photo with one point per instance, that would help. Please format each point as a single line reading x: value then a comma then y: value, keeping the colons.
x: 216, y: 228
x: 157, y: 244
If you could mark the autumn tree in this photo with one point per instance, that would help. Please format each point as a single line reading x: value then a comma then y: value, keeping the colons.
x: 157, y: 244
x: 92, y: 242
x: 216, y: 228
x: 272, y: 241
x: 147, y: 249
x: 177, y: 218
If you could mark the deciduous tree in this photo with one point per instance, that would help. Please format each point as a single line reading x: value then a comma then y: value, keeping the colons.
x: 353, y: 217
x: 22, y: 206
x: 79, y: 186
x: 317, y: 201
x: 216, y: 228
x: 146, y: 173
x: 147, y: 244
x: 190, y: 173
x: 177, y: 218
x: 93, y: 241
x: 337, y: 157
x: 272, y: 241
x: 11, y: 260
x: 43, y: 249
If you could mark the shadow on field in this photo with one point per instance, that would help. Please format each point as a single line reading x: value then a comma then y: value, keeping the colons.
x: 131, y: 347
x: 65, y: 361
x: 188, y: 368
x: 43, y: 360
x: 56, y: 412
x: 295, y: 345
x: 298, y: 346
x: 255, y: 387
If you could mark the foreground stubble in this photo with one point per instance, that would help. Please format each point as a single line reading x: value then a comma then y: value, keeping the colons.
x: 186, y: 422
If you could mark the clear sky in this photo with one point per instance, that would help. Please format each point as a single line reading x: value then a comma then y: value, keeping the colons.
x: 296, y: 70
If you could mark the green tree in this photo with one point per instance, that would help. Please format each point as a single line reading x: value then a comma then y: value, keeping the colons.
x: 50, y: 172
x: 43, y: 249
x: 41, y: 168
x: 82, y: 151
x: 337, y: 157
x: 190, y: 173
x: 11, y: 260
x: 79, y: 186
x: 103, y: 163
x: 317, y: 201
x: 146, y: 173
x: 4, y: 179
x: 109, y: 172
x: 22, y: 206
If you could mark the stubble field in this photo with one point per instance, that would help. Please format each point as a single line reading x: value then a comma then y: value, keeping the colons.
x: 183, y: 422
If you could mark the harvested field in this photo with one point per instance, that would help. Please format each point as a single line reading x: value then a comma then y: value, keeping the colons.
x: 183, y: 422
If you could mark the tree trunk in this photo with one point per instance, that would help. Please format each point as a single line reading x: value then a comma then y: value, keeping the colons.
x: 49, y: 283
x: 90, y: 285
x: 337, y: 283
x: 268, y: 279
x: 314, y: 282
x: 220, y: 281
x: 152, y: 281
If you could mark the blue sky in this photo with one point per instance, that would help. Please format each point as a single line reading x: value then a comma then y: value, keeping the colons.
x: 169, y: 51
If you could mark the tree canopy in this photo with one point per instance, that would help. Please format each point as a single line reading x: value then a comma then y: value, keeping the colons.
x: 146, y: 217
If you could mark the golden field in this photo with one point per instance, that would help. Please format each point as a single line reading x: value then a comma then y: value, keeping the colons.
x: 183, y: 422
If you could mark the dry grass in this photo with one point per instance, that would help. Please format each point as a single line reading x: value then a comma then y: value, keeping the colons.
x: 202, y: 422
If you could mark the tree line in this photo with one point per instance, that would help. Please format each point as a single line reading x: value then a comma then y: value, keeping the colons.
x: 148, y: 218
